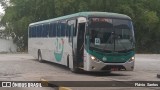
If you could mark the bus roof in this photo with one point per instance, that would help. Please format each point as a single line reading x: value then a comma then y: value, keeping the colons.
x: 86, y: 14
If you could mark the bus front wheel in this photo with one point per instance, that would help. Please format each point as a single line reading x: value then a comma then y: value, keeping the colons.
x: 75, y: 70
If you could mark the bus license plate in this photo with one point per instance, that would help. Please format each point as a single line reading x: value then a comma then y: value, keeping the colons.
x: 114, y: 69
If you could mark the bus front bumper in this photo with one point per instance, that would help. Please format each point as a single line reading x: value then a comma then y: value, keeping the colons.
x: 101, y: 66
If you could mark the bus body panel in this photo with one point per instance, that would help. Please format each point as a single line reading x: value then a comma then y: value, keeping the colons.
x: 47, y: 47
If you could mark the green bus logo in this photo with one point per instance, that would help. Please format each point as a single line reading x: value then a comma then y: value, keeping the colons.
x: 58, y: 52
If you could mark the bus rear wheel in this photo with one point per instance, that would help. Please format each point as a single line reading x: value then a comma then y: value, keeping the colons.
x: 40, y: 56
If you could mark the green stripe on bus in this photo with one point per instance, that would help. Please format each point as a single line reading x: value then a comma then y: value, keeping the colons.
x: 112, y: 57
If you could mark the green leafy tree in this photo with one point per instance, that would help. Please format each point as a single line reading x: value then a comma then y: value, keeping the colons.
x: 144, y: 13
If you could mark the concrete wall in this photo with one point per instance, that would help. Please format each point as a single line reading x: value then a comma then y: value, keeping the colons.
x: 7, y: 46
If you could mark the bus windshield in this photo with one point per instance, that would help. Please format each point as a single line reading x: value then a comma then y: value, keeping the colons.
x: 111, y: 35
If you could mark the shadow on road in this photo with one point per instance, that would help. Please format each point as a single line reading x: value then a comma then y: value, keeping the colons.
x: 101, y: 74
x: 53, y: 64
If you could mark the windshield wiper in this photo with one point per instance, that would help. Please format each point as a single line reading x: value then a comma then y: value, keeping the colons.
x: 125, y: 51
x: 100, y: 50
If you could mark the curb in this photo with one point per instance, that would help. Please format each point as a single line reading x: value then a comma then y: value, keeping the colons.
x: 64, y: 88
x: 47, y: 83
x: 158, y: 75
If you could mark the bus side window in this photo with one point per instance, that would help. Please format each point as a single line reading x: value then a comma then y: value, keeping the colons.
x: 67, y: 30
x: 60, y: 33
x: 55, y: 26
x: 43, y: 31
x: 62, y: 29
x: 47, y: 30
x: 38, y: 31
x: 75, y: 28
x: 54, y: 30
x: 50, y: 30
x: 34, y: 31
x: 71, y: 32
x: 65, y: 26
x: 58, y: 29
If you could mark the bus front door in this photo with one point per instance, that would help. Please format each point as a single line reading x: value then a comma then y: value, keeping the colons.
x: 80, y: 44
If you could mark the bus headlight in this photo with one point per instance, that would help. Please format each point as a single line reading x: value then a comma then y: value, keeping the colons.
x: 132, y: 59
x: 94, y: 59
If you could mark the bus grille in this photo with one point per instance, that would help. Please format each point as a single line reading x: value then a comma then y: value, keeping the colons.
x: 114, y: 62
x: 114, y: 68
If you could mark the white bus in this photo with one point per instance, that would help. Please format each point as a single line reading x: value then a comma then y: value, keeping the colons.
x: 89, y: 41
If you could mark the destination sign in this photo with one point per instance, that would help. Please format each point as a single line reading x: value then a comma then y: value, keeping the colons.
x: 101, y: 20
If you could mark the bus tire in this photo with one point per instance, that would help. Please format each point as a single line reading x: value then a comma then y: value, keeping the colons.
x: 74, y: 69
x: 40, y: 56
x: 108, y: 72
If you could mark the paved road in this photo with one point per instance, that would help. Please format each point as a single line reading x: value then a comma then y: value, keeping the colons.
x: 23, y: 67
